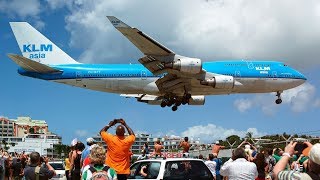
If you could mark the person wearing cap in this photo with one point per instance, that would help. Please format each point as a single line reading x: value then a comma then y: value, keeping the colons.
x: 313, y: 171
x: 86, y: 151
x: 216, y: 148
x: 118, y: 147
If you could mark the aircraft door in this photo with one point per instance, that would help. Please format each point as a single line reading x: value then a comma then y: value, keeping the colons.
x: 78, y: 75
x: 78, y: 78
x: 237, y: 74
x: 143, y: 74
x: 274, y: 74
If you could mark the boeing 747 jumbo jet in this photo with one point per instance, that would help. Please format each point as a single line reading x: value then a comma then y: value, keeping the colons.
x: 163, y: 77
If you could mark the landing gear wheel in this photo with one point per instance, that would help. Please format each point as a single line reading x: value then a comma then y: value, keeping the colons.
x: 278, y: 101
x: 174, y: 108
x: 169, y: 103
x: 178, y: 103
x: 163, y: 104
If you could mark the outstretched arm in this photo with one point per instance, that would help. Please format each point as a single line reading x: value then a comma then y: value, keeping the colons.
x: 289, y: 151
x: 111, y: 123
x: 127, y: 127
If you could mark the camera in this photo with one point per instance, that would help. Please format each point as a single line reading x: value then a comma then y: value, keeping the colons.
x: 300, y: 146
x: 42, y: 159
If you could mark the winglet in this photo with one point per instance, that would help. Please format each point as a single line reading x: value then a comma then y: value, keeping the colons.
x: 117, y: 23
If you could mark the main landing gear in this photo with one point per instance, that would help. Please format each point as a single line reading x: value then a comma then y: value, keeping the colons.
x: 175, y: 101
x: 279, y: 100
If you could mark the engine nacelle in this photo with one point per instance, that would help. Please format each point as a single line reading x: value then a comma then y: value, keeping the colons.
x: 186, y: 65
x: 219, y: 82
x: 196, y: 100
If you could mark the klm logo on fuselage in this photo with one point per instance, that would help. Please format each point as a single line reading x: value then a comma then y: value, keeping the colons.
x: 37, y: 51
x: 263, y: 68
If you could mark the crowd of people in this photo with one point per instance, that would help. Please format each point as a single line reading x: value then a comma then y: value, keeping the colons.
x: 93, y: 161
x: 299, y: 160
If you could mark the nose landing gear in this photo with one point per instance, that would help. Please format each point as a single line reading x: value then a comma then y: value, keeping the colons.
x: 279, y: 100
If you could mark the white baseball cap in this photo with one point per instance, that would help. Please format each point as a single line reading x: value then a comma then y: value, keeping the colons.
x: 314, y: 154
x: 90, y: 140
x: 74, y: 142
x: 217, y: 142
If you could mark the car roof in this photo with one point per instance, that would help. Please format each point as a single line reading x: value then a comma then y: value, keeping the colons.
x: 168, y: 159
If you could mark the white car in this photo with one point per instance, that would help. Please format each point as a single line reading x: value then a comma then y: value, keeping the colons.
x: 171, y: 168
x: 58, y: 166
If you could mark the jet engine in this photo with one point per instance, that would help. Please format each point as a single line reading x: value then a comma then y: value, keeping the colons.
x: 219, y: 82
x: 196, y: 100
x: 186, y: 65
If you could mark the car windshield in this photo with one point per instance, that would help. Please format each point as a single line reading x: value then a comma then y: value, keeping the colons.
x: 57, y: 166
x: 186, y: 170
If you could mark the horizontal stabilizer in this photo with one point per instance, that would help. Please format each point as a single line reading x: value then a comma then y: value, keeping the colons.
x: 32, y: 66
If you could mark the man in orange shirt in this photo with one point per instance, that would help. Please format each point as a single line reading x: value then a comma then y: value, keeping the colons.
x: 118, y: 147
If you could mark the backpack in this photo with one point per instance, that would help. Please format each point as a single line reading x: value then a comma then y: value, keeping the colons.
x: 39, y: 176
x: 99, y: 174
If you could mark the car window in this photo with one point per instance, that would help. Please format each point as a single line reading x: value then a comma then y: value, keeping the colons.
x: 151, y: 169
x: 134, y: 170
x: 187, y: 170
x: 57, y: 166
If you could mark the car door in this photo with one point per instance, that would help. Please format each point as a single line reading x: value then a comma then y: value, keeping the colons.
x: 187, y: 169
x: 152, y: 170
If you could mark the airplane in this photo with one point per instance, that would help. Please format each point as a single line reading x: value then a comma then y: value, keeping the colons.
x: 162, y: 78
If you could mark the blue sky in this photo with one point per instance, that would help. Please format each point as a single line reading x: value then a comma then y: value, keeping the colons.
x: 286, y: 31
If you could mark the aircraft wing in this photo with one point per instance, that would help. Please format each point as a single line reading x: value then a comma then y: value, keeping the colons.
x: 32, y: 66
x: 158, y: 59
x: 143, y: 42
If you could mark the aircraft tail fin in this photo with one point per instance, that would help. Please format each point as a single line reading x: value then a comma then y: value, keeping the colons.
x: 37, y: 47
x: 32, y: 66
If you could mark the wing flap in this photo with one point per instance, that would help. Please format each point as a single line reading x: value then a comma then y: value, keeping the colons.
x: 32, y: 66
x: 141, y: 97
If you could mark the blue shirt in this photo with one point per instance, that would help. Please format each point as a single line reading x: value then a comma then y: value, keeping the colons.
x: 85, y: 153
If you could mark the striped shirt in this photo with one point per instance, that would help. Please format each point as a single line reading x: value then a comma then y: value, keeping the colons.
x: 293, y: 175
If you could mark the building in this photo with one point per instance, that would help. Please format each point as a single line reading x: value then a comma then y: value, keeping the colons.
x: 42, y: 143
x: 28, y: 135
x: 25, y: 125
x: 21, y: 126
x: 6, y: 127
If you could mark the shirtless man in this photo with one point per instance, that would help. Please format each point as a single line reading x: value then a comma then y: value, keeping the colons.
x: 185, y: 146
x: 216, y: 148
x: 157, y: 148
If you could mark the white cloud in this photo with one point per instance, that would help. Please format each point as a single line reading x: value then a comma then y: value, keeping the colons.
x: 243, y: 104
x: 22, y: 10
x: 300, y: 97
x: 81, y: 133
x: 211, y: 133
x: 19, y: 8
x: 216, y: 30
x: 317, y: 103
x: 298, y: 100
